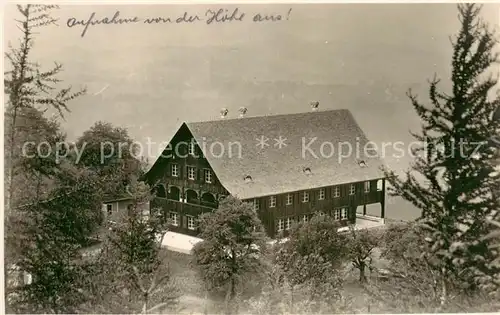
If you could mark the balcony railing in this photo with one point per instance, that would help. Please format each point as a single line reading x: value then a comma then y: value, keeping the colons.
x: 178, y: 206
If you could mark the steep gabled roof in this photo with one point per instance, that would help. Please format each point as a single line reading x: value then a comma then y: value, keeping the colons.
x: 293, y: 167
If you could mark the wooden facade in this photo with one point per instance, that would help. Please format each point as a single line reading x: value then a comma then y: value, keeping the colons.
x: 184, y: 191
x: 178, y: 193
x: 320, y: 200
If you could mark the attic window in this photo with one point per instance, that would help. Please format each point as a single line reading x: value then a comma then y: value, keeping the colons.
x: 362, y: 163
x: 307, y: 170
x: 248, y: 179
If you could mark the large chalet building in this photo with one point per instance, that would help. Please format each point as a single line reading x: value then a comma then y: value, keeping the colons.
x: 288, y: 166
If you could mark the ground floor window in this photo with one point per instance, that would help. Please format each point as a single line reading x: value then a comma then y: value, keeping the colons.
x: 174, y: 218
x: 343, y: 213
x: 305, y: 218
x: 191, y: 222
x: 281, y: 225
x: 340, y: 214
x: 289, y: 222
x: 336, y: 214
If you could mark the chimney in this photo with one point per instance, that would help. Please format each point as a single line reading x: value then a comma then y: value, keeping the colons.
x: 243, y: 111
x: 223, y: 113
x: 314, y: 106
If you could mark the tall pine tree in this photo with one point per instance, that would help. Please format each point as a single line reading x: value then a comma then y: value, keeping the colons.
x: 456, y: 194
x: 52, y: 205
x: 28, y: 87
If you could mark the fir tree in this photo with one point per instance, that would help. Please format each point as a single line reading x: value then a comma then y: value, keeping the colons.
x: 51, y: 233
x: 454, y: 160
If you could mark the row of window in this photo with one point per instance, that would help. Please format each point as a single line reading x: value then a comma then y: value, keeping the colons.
x: 286, y: 223
x: 305, y: 196
x: 189, y: 195
x: 191, y: 173
x: 174, y: 219
x: 282, y: 224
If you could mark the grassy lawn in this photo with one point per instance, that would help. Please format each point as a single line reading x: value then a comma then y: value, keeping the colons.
x: 185, y: 276
x: 193, y: 295
x: 193, y: 298
x: 191, y: 288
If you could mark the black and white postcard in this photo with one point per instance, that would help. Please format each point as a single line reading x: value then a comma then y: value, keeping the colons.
x: 251, y: 158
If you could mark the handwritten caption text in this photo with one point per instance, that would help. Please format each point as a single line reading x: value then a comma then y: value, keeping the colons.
x: 211, y: 16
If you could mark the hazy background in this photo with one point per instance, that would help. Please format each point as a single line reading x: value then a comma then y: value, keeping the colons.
x: 363, y: 57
